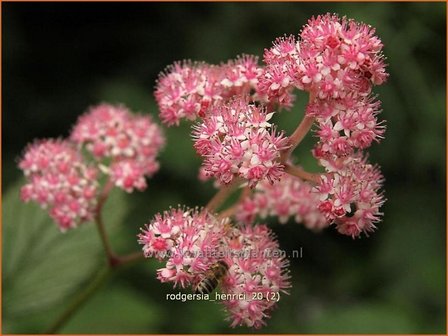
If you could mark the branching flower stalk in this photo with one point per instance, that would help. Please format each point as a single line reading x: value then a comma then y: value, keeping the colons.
x: 299, y: 133
x: 111, y: 257
x: 336, y: 60
x: 62, y: 181
x: 222, y: 195
x: 302, y: 174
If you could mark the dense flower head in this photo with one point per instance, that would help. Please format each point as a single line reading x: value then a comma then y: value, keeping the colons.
x: 257, y: 275
x: 340, y: 56
x: 291, y: 197
x: 240, y: 76
x: 185, y: 90
x: 236, y: 139
x: 188, y: 239
x: 276, y: 81
x: 132, y: 142
x: 188, y: 90
x: 332, y: 57
x: 59, y: 180
x: 345, y: 124
x: 191, y: 241
x: 350, y: 196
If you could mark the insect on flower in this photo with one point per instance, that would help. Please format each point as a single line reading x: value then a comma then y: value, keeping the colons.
x: 212, y: 278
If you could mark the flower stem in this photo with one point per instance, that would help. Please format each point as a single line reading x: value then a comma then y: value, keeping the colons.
x: 298, y: 134
x: 66, y: 315
x: 113, y: 262
x: 129, y: 258
x: 222, y: 195
x: 304, y: 175
x: 111, y: 257
x: 100, y: 278
x: 297, y: 137
x: 230, y: 211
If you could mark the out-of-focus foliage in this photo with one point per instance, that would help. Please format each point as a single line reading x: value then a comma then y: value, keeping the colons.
x: 43, y: 266
x: 58, y: 59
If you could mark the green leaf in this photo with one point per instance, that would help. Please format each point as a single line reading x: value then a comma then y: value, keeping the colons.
x: 116, y: 309
x: 41, y: 265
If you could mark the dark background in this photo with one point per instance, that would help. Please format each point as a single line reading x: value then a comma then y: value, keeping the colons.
x: 58, y: 59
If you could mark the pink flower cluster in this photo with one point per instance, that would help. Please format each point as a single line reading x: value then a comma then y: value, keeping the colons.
x: 350, y: 196
x: 277, y: 79
x: 345, y: 125
x: 59, y: 179
x: 188, y: 239
x: 331, y: 58
x: 132, y: 143
x: 337, y: 61
x: 236, y: 139
x: 188, y: 90
x: 257, y: 275
x: 291, y: 197
x: 192, y: 241
x: 124, y: 147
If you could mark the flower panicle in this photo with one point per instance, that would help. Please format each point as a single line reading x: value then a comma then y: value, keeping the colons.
x: 183, y: 237
x: 331, y: 57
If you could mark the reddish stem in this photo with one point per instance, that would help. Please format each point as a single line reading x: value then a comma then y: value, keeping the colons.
x: 299, y: 133
x: 129, y: 258
x: 111, y: 257
x: 297, y: 137
x: 230, y: 211
x: 304, y: 175
x: 222, y: 195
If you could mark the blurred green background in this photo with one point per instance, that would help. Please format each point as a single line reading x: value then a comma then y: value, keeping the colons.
x: 58, y: 59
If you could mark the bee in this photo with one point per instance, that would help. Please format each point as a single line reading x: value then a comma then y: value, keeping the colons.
x: 212, y: 277
x: 353, y: 209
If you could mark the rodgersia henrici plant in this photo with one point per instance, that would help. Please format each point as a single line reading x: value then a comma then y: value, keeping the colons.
x: 337, y: 61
